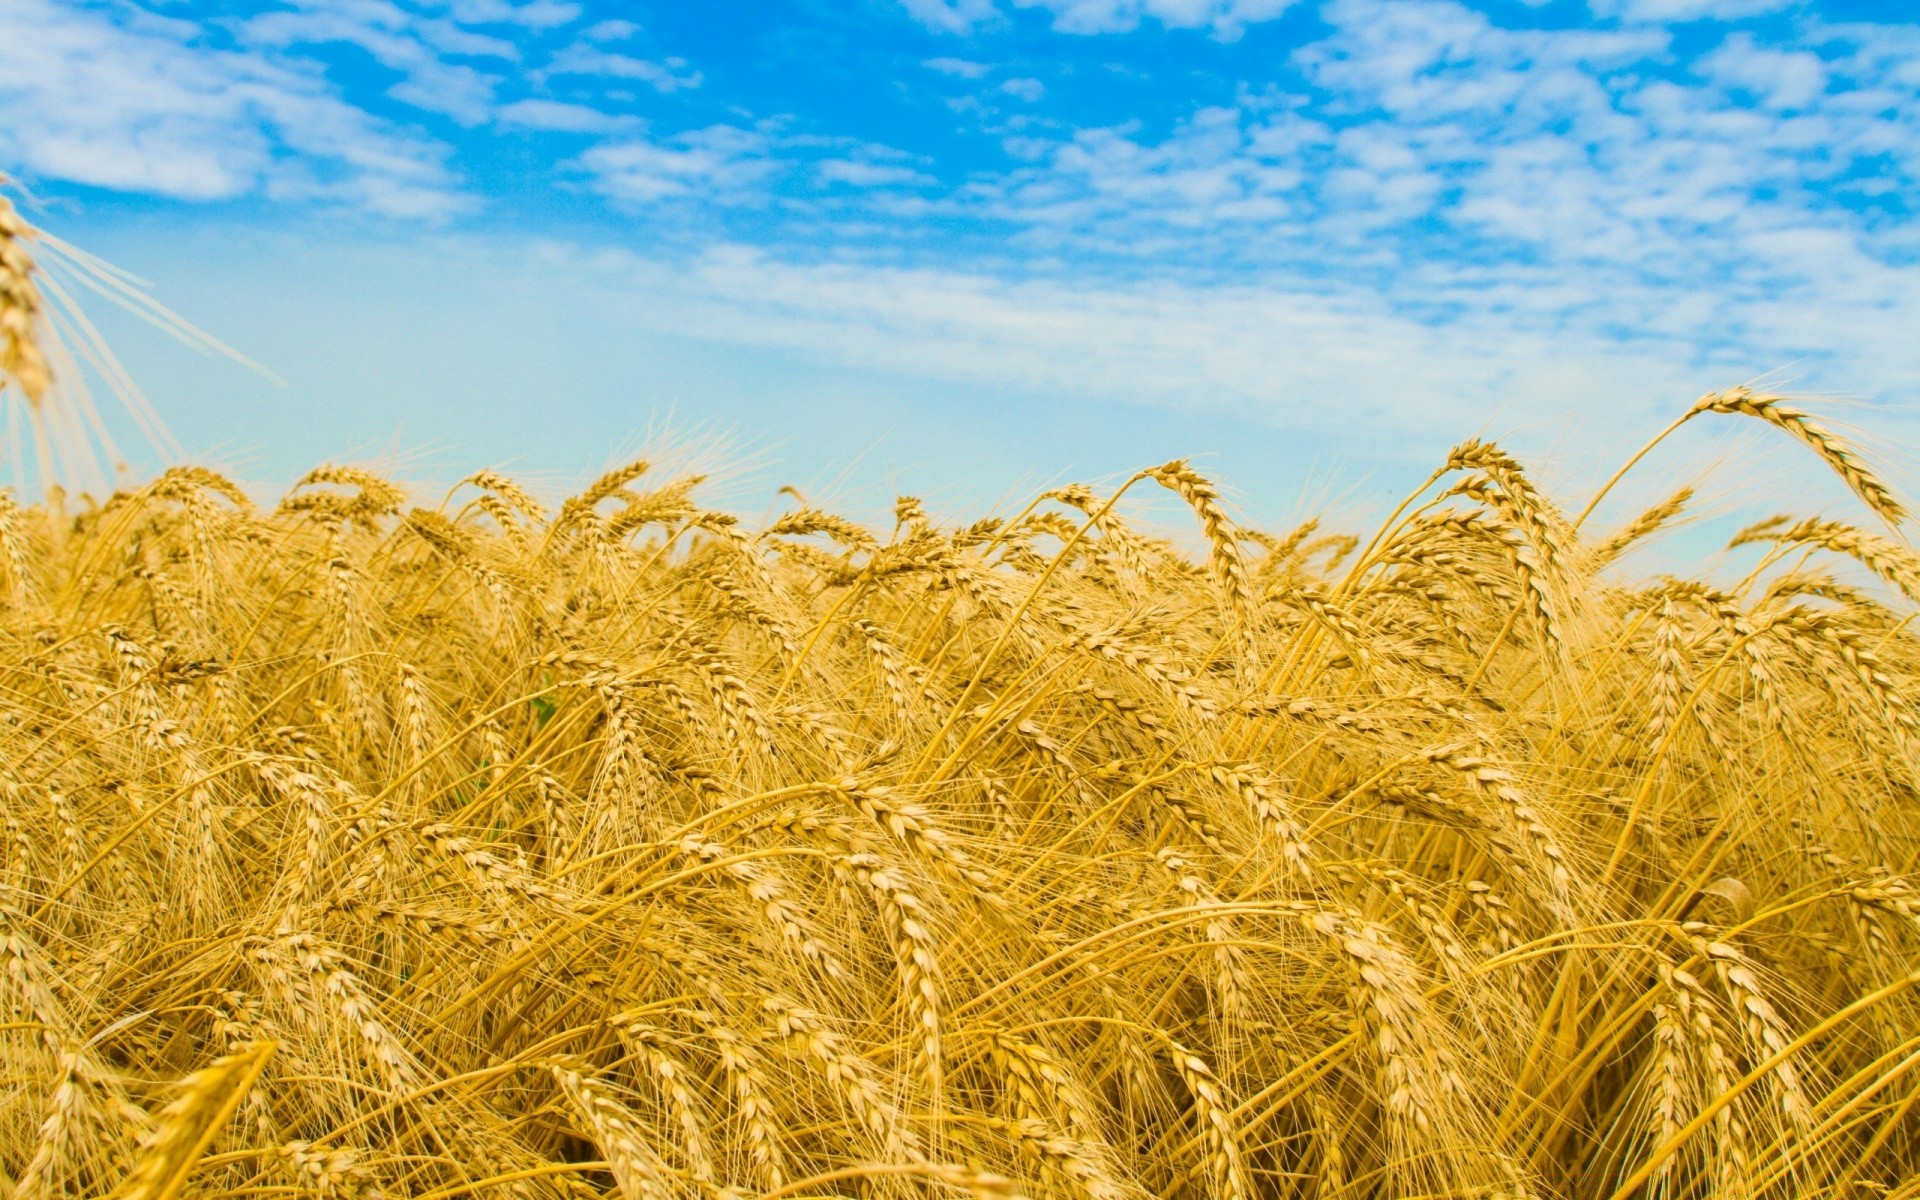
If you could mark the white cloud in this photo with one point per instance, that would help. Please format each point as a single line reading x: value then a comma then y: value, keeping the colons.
x: 1676, y: 11
x: 1030, y: 90
x: 535, y: 14
x: 958, y: 67
x: 123, y: 100
x: 1331, y: 358
x: 1225, y: 18
x: 561, y: 117
x: 670, y: 75
x: 612, y: 31
x: 418, y: 47
x: 1779, y: 79
x: 951, y: 16
x: 858, y: 173
x: 720, y: 164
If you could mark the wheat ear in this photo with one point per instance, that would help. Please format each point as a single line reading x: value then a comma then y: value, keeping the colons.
x: 21, y: 309
x: 189, y: 1124
x: 1843, y: 458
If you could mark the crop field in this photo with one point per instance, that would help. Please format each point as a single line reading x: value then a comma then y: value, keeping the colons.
x: 374, y: 844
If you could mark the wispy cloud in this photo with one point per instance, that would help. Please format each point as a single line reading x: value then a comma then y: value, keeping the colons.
x: 1324, y: 359
x: 421, y: 48
x: 122, y: 99
x: 958, y: 67
x: 562, y: 117
x: 1225, y: 18
x: 951, y: 16
x: 669, y: 75
x: 534, y: 14
x: 860, y: 173
x: 1672, y: 11
x: 721, y: 164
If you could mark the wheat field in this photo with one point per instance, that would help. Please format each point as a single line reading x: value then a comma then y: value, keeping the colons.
x: 367, y: 845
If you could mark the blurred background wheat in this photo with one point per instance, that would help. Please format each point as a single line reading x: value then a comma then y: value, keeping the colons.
x: 473, y: 848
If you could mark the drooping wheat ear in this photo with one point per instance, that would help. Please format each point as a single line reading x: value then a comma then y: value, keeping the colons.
x: 1852, y: 647
x: 1538, y: 564
x: 1421, y: 911
x: 906, y: 922
x: 621, y: 1136
x: 1249, y: 784
x: 1641, y: 527
x: 764, y: 887
x: 1284, y: 551
x: 1215, y: 1117
x: 1150, y: 663
x: 804, y: 521
x: 1892, y: 562
x: 1223, y: 536
x: 613, y: 483
x: 1767, y: 1033
x: 1041, y: 1085
x: 1327, y: 1139
x: 720, y: 577
x: 665, y: 505
x: 752, y: 1096
x: 189, y: 1124
x: 457, y: 546
x: 309, y: 974
x: 1119, y: 545
x: 509, y: 491
x: 1335, y: 546
x: 333, y: 1172
x: 501, y: 881
x: 744, y: 725
x: 21, y: 309
x: 1415, y: 1073
x: 1515, y: 496
x: 916, y: 829
x: 1673, y: 1088
x: 909, y: 513
x: 430, y: 923
x: 1077, y: 1162
x: 1844, y: 459
x: 887, y: 660
x: 651, y: 1044
x: 1718, y: 1071
x: 67, y: 1108
x: 1518, y: 805
x: 306, y: 790
x: 1232, y: 981
x: 1135, y: 714
x: 852, y: 1076
x: 372, y: 498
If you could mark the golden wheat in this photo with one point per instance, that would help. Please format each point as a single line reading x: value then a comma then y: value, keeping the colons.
x: 616, y: 846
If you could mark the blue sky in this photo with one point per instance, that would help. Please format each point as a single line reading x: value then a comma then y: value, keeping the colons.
x: 940, y: 242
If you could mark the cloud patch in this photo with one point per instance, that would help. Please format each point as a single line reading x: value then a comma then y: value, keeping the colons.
x: 124, y: 100
x: 1225, y: 19
x: 668, y: 75
x: 721, y: 164
x: 561, y: 117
